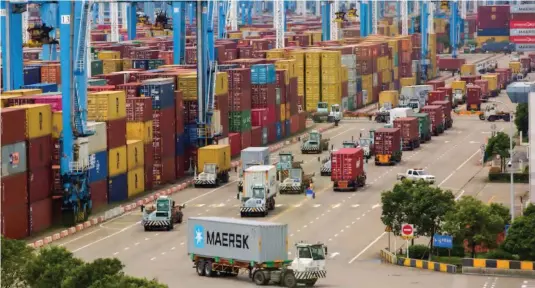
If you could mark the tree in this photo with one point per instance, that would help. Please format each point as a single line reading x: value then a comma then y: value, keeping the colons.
x: 474, y: 221
x: 88, y: 273
x: 530, y: 210
x: 419, y: 204
x: 522, y: 118
x: 126, y: 282
x: 498, y: 145
x: 502, y: 211
x: 520, y: 238
x: 50, y: 267
x: 15, y: 257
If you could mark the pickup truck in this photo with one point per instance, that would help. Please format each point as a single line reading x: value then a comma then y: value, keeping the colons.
x: 416, y: 174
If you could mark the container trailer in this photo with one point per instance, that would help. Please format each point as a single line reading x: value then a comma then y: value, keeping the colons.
x: 459, y: 92
x: 387, y: 146
x: 414, y: 96
x: 473, y: 99
x: 484, y: 85
x: 347, y: 169
x: 260, y: 187
x: 227, y: 246
x: 249, y: 157
x: 424, y: 126
x: 446, y: 108
x: 410, y: 132
x: 493, y: 87
x: 213, y: 166
x: 439, y: 95
x: 437, y: 118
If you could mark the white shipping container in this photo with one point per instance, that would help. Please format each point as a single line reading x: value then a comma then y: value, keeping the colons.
x: 525, y: 47
x: 524, y: 8
x: 216, y: 122
x: 345, y: 106
x: 223, y: 141
x: 350, y: 61
x: 264, y: 175
x: 522, y: 32
x: 98, y: 141
x: 352, y: 74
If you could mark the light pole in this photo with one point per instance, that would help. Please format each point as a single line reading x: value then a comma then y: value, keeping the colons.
x: 511, y: 173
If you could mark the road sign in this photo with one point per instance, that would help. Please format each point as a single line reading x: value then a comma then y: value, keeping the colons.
x: 407, y: 231
x: 443, y: 241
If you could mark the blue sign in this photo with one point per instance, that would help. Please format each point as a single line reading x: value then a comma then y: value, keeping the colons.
x: 443, y: 241
x: 507, y: 228
x: 198, y: 236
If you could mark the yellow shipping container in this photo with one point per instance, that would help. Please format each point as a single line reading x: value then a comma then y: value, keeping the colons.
x: 112, y: 65
x: 386, y: 76
x: 188, y: 85
x: 369, y: 98
x: 493, y: 81
x: 367, y: 81
x: 275, y: 54
x: 106, y: 105
x: 136, y: 182
x: 331, y: 75
x: 344, y: 73
x: 515, y: 67
x: 407, y: 81
x: 57, y: 125
x: 127, y: 64
x: 287, y: 64
x: 312, y: 77
x: 22, y: 92
x: 382, y: 63
x: 286, y: 77
x: 300, y: 88
x: 117, y: 161
x: 396, y: 73
x: 134, y: 154
x: 139, y: 131
x: 105, y: 55
x: 459, y: 85
x: 390, y: 97
x: 313, y: 91
x: 331, y: 91
x: 38, y: 120
x: 214, y: 154
x: 313, y: 59
x: 287, y: 113
x: 482, y: 39
x: 315, y: 36
x: 331, y: 59
x: 468, y: 69
x: 298, y: 56
x: 235, y: 35
x: 4, y: 100
x: 283, y: 111
x: 221, y: 86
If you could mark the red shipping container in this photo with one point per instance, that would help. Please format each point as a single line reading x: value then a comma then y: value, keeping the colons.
x: 259, y: 117
x: 470, y: 79
x: 13, y: 133
x: 164, y: 171
x: 221, y: 104
x: 294, y: 124
x: 433, y: 96
x: 234, y: 140
x: 523, y: 17
x: 446, y: 108
x: 163, y: 122
x: 263, y: 95
x: 272, y: 132
x: 39, y: 152
x: 138, y: 109
x: 277, y: 113
x: 347, y: 164
x: 522, y: 24
x: 179, y: 112
x: 435, y: 114
x: 116, y: 133
x: 245, y: 139
x: 112, y: 79
x: 256, y: 136
x: 100, y: 88
x: 448, y: 90
x: 450, y: 63
x: 99, y: 193
x: 40, y: 216
x: 366, y: 66
x: 190, y: 111
x: 39, y: 184
x: 506, y: 73
x: 191, y: 55
x: 15, y: 221
x: 131, y: 89
x: 245, y: 52
x: 437, y: 84
x: 484, y: 85
x: 14, y: 190
x: 410, y: 130
x: 179, y: 164
x: 302, y: 121
x: 387, y: 141
x: 473, y: 97
x: 272, y: 114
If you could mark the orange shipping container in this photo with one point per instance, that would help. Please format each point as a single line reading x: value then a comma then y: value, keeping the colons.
x: 51, y: 73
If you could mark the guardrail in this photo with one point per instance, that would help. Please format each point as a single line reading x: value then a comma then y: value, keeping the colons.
x: 499, y: 267
x: 427, y: 265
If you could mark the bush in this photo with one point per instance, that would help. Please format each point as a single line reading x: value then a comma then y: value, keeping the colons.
x: 505, y: 177
x: 499, y: 254
x: 526, y: 169
x: 456, y: 251
x: 419, y: 251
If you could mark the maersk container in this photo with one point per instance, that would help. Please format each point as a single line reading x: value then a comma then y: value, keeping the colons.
x: 254, y: 156
x: 237, y: 239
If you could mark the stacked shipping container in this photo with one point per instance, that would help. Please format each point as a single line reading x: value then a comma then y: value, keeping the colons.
x: 522, y: 27
x: 492, y: 25
x: 139, y: 127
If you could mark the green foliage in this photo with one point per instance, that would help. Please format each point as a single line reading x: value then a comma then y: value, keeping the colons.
x: 520, y: 238
x: 530, y: 210
x: 500, y: 254
x: 506, y: 177
x: 456, y: 251
x: 419, y: 251
x: 498, y: 145
x: 475, y: 222
x: 15, y: 257
x: 57, y: 267
x: 502, y: 211
x: 522, y: 118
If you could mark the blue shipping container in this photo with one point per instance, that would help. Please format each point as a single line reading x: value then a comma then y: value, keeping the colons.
x: 190, y: 132
x: 264, y: 135
x: 140, y: 64
x: 98, y: 166
x: 45, y: 87
x: 279, y: 130
x: 118, y: 188
x: 287, y: 127
x: 162, y: 92
x: 226, y: 67
x: 359, y: 84
x: 180, y: 144
x: 263, y: 74
x: 493, y: 32
x: 32, y: 75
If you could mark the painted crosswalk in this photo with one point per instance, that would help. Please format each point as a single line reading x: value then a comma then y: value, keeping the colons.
x: 299, y: 205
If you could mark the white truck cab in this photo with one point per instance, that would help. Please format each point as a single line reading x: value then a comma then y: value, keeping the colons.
x: 416, y: 174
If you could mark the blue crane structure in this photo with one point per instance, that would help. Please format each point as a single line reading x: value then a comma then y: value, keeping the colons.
x: 454, y: 28
x: 424, y: 14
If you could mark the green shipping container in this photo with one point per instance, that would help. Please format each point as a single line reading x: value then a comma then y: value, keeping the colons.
x: 155, y: 63
x: 96, y: 67
x: 396, y: 61
x: 240, y: 121
x: 425, y: 126
x: 96, y: 82
x: 351, y: 103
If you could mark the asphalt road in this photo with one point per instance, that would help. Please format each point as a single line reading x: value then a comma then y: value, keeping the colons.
x: 349, y: 223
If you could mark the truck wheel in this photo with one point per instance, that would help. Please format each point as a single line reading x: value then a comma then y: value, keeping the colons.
x: 288, y: 280
x: 171, y: 226
x: 146, y: 228
x: 200, y: 268
x: 311, y: 283
x: 208, y: 269
x: 259, y: 278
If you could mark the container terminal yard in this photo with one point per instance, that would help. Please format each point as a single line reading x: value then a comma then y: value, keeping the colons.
x: 193, y: 140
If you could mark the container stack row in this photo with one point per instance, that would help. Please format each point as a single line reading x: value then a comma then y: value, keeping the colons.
x: 522, y: 27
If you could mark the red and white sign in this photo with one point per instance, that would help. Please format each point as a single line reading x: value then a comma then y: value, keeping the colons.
x: 522, y: 24
x: 407, y: 230
x: 522, y: 39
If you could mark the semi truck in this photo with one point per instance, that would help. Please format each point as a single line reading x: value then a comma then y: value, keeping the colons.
x: 410, y: 132
x: 459, y: 92
x: 494, y: 89
x: 228, y: 247
x: 260, y: 187
x: 347, y: 169
x: 164, y: 214
x: 414, y: 96
x: 387, y: 146
x: 250, y: 157
x: 424, y: 126
x: 473, y: 99
x: 213, y: 166
x: 314, y: 143
x: 437, y: 118
x: 399, y: 113
x: 446, y: 109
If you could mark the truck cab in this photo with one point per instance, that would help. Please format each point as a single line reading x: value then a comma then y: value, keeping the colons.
x: 209, y: 175
x: 260, y: 187
x: 162, y: 215
x: 335, y: 115
x: 310, y: 259
x: 459, y: 92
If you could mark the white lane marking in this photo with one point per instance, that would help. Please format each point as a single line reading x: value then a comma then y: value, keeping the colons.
x: 376, y: 206
x: 78, y: 238
x: 334, y: 255
x: 209, y: 192
x: 199, y: 205
x: 115, y: 253
x: 297, y: 205
x: 147, y: 239
x: 278, y: 205
x: 316, y: 205
x: 126, y: 248
x: 137, y: 243
x: 478, y: 152
x: 291, y: 235
x: 336, y: 206
x: 353, y: 222
x: 152, y: 259
x: 181, y: 243
x: 163, y: 253
x: 367, y: 247
x: 355, y: 205
x: 173, y: 248
x: 156, y: 234
x: 460, y: 195
x: 343, y: 132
